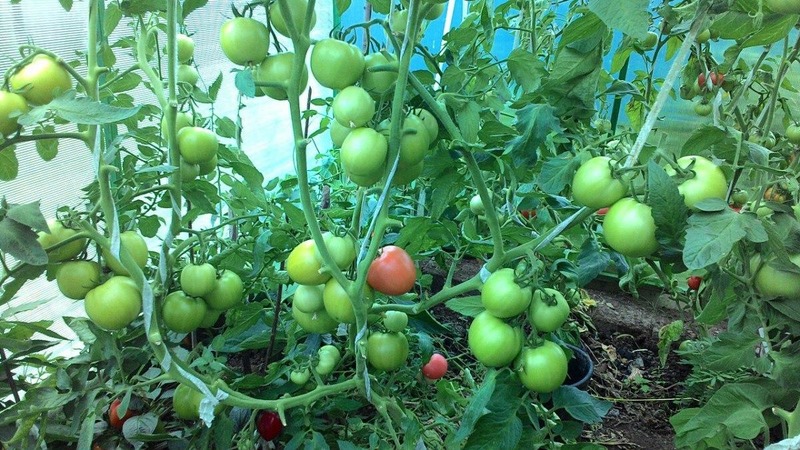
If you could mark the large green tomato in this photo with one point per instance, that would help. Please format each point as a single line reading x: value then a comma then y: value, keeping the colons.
x: 329, y: 356
x: 405, y: 175
x: 336, y: 64
x: 197, y: 145
x: 493, y: 342
x: 629, y: 228
x: 135, y: 244
x: 297, y: 10
x: 430, y: 122
x: 338, y: 132
x: 244, y: 40
x: 387, y: 351
x: 549, y: 310
x: 316, y: 322
x: 277, y: 69
x: 414, y: 140
x: 364, y: 153
x: 114, y: 304
x: 353, y: 107
x: 594, y: 185
x: 303, y: 266
x: 210, y: 318
x: 76, y: 278
x: 378, y: 83
x: 502, y: 296
x: 11, y: 106
x: 188, y: 75
x: 784, y: 6
x: 182, y: 120
x: 185, y: 48
x: 341, y: 248
x: 228, y: 291
x: 308, y: 299
x: 41, y: 80
x: 198, y: 280
x: 58, y: 233
x: 773, y: 282
x: 189, y: 171
x: 207, y: 167
x: 542, y: 369
x: 437, y: 8
x: 337, y: 302
x: 182, y: 313
x: 186, y: 403
x: 708, y: 181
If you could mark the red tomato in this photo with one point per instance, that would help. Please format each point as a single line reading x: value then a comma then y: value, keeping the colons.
x: 694, y: 282
x: 269, y: 425
x: 113, y: 417
x: 602, y: 211
x: 436, y: 367
x: 392, y: 272
x: 528, y: 213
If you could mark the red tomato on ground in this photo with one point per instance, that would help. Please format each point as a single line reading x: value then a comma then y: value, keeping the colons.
x: 436, y: 367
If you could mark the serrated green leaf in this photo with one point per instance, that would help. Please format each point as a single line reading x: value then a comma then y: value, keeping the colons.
x: 474, y: 411
x: 581, y: 405
x: 591, y: 261
x: 666, y: 336
x: 19, y: 241
x: 557, y: 173
x: 66, y: 4
x: 526, y: 70
x: 80, y: 110
x: 710, y: 237
x: 467, y: 306
x: 9, y: 165
x: 534, y: 123
x: 111, y: 18
x: 245, y: 83
x: 668, y: 209
x: 631, y: 16
x: 468, y: 120
x: 190, y: 6
x: 29, y: 214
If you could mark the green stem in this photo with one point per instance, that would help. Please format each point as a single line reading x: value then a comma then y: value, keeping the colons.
x: 81, y: 136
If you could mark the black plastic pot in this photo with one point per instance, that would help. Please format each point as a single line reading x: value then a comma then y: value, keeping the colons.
x: 579, y: 369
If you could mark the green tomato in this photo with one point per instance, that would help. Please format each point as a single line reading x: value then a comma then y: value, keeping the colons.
x: 353, y: 107
x: 297, y: 9
x: 336, y: 64
x: 708, y: 181
x: 542, y: 369
x: 395, y: 321
x: 364, y: 153
x: 11, y: 107
x: 493, y: 342
x: 308, y: 299
x: 476, y: 205
x: 76, y: 278
x: 300, y: 377
x: 244, y: 40
x: 182, y: 120
x: 182, y: 313
x: 784, y: 6
x: 187, y: 74
x: 342, y: 249
x: 430, y: 122
x: 414, y: 141
x: 114, y: 304
x: 197, y: 145
x: 792, y: 132
x: 189, y: 171
x: 277, y: 69
x: 774, y: 282
x: 317, y: 322
x: 629, y: 228
x: 594, y: 185
x: 198, y: 280
x: 387, y: 351
x: 186, y: 403
x: 59, y: 233
x: 207, y: 167
x: 132, y: 242
x: 338, y: 304
x: 502, y: 296
x: 378, y: 83
x: 41, y: 80
x: 185, y: 48
x: 703, y: 108
x: 329, y: 357
x: 303, y: 266
x: 703, y: 36
x: 405, y: 175
x: 228, y: 291
x: 338, y: 132
x: 210, y: 318
x: 549, y: 310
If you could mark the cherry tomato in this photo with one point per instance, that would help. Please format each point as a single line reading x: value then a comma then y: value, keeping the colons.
x: 395, y: 321
x: 694, y: 282
x: 113, y: 414
x: 792, y: 132
x: 435, y: 368
x: 269, y: 425
x: 392, y: 272
x: 476, y: 205
x: 185, y: 48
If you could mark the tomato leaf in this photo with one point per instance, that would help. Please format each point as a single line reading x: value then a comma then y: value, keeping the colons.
x: 786, y: 371
x: 668, y: 210
x: 342, y: 5
x: 711, y: 236
x: 557, y: 173
x: 19, y: 241
x: 721, y: 297
x: 666, y: 336
x: 526, y: 70
x: 66, y: 4
x: 474, y: 411
x: 581, y: 405
x: 29, y: 215
x: 9, y: 165
x: 534, y: 123
x: 591, y: 261
x: 190, y: 6
x: 80, y: 110
x: 467, y: 306
x: 381, y: 6
x: 631, y: 17
x: 245, y: 82
x: 47, y: 148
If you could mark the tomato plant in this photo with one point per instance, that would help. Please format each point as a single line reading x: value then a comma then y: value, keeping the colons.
x: 41, y: 80
x: 269, y: 425
x: 76, y: 278
x: 771, y: 281
x: 502, y: 296
x: 186, y: 403
x: 387, y: 351
x: 393, y: 272
x: 336, y: 64
x: 693, y: 282
x: 435, y: 368
x: 703, y: 108
x: 493, y: 342
x: 707, y: 180
x: 542, y: 369
x: 549, y: 310
x: 594, y: 184
x: 792, y: 132
x: 114, y: 304
x: 337, y: 302
x: 316, y: 322
x: 476, y: 205
x: 629, y: 228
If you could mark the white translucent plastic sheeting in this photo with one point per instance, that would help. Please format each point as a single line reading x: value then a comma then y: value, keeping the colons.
x: 267, y: 137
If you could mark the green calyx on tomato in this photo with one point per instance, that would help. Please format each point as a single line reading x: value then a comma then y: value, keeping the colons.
x: 297, y: 9
x: 182, y: 313
x: 387, y: 351
x: 185, y: 48
x: 316, y: 322
x: 198, y: 280
x: 629, y: 228
x: 277, y: 70
x: 197, y: 145
x: 395, y: 321
x: 364, y: 153
x: 379, y: 82
x: 493, y: 342
x: 707, y: 180
x: 393, y: 272
x: 76, y: 278
x: 353, y: 107
x: 58, y: 234
x: 542, y: 369
x: 11, y: 107
x: 114, y: 304
x: 341, y: 248
x: 304, y: 267
x: 329, y: 356
x: 502, y: 296
x: 132, y: 242
x: 549, y: 310
x: 773, y: 281
x: 41, y: 80
x: 594, y: 184
x: 244, y: 40
x: 228, y: 291
x: 336, y: 64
